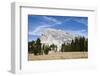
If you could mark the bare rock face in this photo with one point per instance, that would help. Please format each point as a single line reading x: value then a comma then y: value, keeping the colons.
x: 57, y: 37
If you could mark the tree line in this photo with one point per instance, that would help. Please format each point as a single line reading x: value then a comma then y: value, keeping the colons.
x: 37, y: 48
x: 79, y: 44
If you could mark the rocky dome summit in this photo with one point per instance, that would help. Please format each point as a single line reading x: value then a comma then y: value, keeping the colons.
x: 55, y: 36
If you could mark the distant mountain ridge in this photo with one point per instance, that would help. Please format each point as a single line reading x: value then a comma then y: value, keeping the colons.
x: 58, y: 37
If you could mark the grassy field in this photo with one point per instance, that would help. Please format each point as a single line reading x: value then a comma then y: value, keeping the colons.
x: 59, y: 55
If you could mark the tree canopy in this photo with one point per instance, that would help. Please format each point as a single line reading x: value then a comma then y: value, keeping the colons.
x: 79, y: 44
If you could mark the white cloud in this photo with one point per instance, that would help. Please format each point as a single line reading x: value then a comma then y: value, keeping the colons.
x: 38, y: 31
x: 68, y: 19
x: 83, y: 21
x: 80, y: 20
x: 51, y: 19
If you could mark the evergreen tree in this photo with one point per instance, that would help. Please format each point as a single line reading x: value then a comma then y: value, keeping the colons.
x: 78, y: 44
x: 63, y: 47
x: 53, y: 47
x: 86, y: 45
x: 30, y: 46
x: 46, y: 49
x: 38, y: 46
x: 72, y: 46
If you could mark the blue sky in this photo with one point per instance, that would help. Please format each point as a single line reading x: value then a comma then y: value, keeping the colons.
x: 72, y: 24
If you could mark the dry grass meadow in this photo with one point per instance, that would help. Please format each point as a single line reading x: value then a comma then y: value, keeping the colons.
x: 59, y: 55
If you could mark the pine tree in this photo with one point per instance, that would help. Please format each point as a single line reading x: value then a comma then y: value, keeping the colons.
x: 63, y: 47
x: 78, y: 44
x: 72, y: 46
x: 38, y: 46
x: 53, y: 47
x: 30, y: 46
x: 46, y: 49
